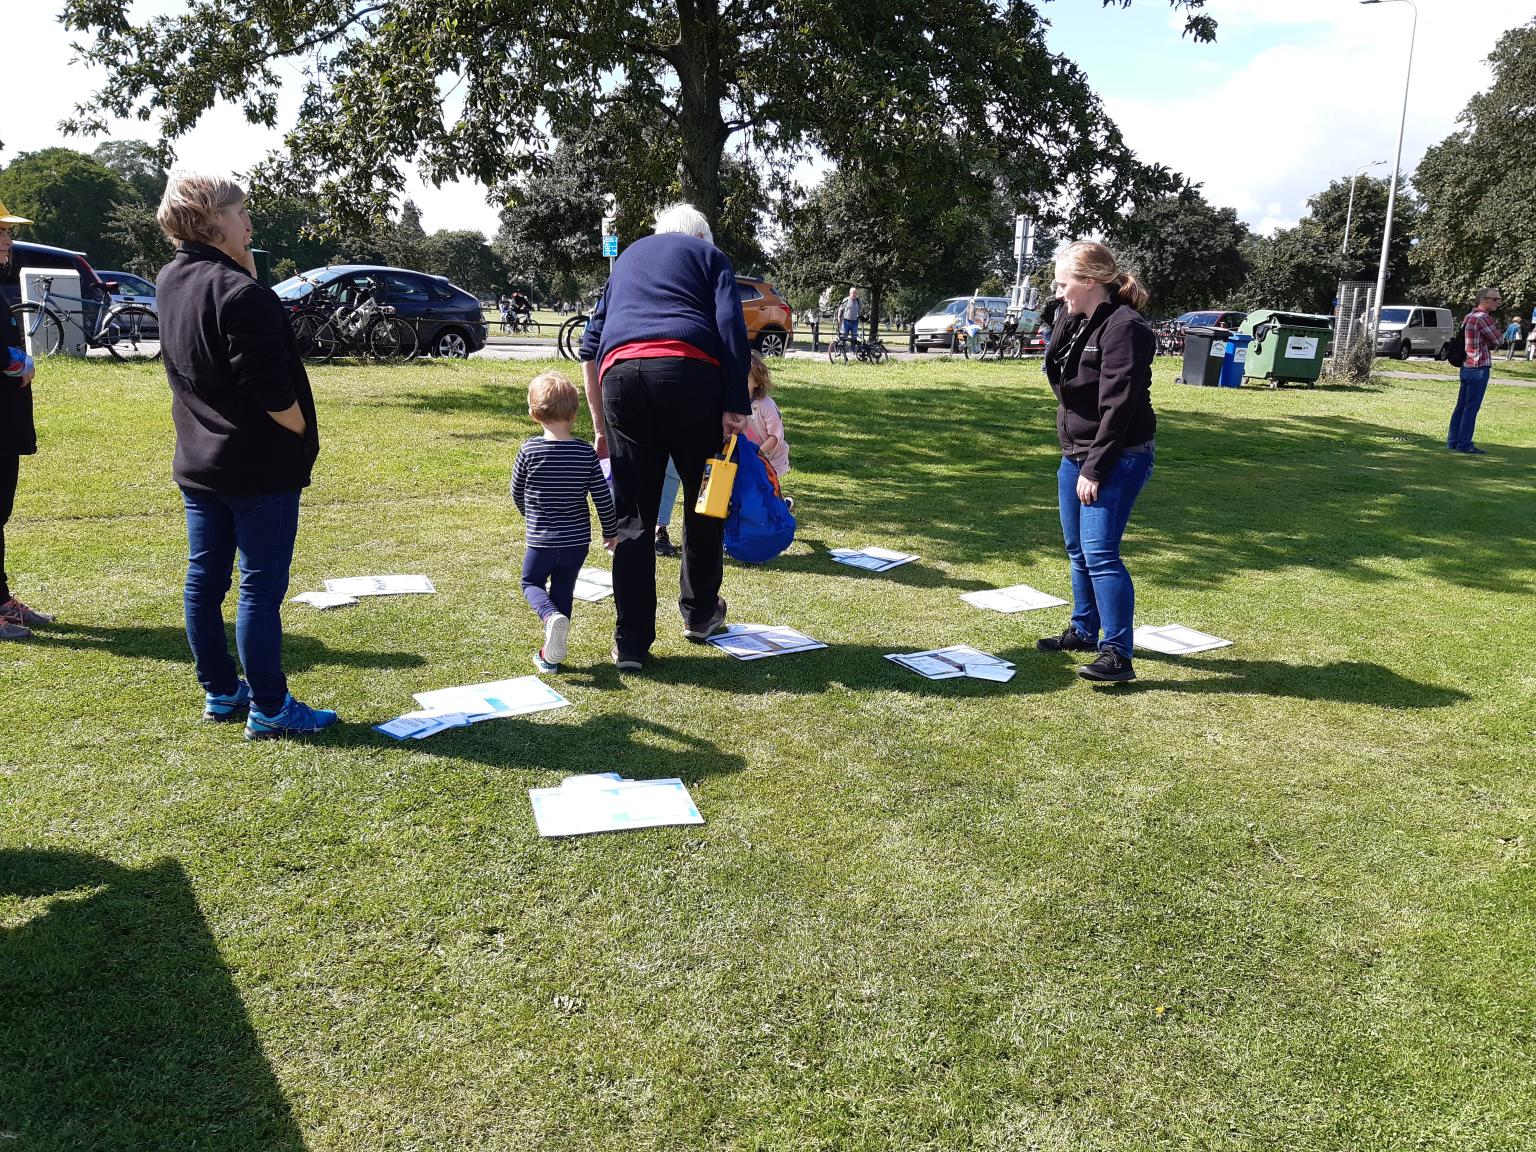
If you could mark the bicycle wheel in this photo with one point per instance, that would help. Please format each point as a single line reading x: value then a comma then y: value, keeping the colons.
x: 306, y: 328
x: 570, y: 336
x: 837, y: 352
x: 389, y: 339
x: 131, y: 332
x: 42, y: 331
x: 878, y: 353
x: 973, y: 347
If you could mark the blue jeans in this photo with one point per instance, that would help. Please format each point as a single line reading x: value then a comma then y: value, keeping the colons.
x: 262, y: 529
x: 1102, y: 594
x: 1474, y: 384
x: 549, y: 578
x: 669, y: 489
x: 848, y: 328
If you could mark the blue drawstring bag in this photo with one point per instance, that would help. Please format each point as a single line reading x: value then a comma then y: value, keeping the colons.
x: 759, y: 525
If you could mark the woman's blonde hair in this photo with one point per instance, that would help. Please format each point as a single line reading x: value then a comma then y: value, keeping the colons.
x: 759, y: 378
x: 1088, y: 260
x: 189, y: 210
x: 552, y: 397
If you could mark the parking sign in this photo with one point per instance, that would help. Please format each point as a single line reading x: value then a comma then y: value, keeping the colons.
x: 610, y: 246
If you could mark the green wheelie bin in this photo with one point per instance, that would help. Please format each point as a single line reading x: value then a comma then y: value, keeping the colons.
x: 1287, y: 347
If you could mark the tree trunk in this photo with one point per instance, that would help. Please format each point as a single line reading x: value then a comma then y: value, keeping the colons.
x: 876, y: 290
x: 700, y: 90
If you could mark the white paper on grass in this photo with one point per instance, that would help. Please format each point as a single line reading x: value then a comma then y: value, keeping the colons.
x: 324, y: 599
x: 419, y: 725
x: 1177, y: 640
x: 515, y: 697
x: 593, y: 584
x: 871, y: 559
x: 606, y: 803
x: 380, y: 585
x: 1018, y: 598
x: 952, y: 662
x: 757, y: 641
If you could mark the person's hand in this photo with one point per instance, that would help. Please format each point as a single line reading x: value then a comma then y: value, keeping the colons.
x: 600, y: 445
x: 1087, y: 490
x: 610, y: 543
x: 734, y: 423
x: 28, y: 372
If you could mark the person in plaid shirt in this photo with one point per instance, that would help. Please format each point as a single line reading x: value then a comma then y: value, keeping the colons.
x: 1481, y: 334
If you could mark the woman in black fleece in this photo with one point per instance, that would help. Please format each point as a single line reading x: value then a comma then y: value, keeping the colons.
x: 1099, y: 364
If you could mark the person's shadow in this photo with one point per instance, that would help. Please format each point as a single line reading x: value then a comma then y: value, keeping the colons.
x: 120, y: 1027
x: 300, y: 652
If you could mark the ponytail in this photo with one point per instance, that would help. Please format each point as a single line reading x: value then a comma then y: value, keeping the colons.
x: 1130, y: 291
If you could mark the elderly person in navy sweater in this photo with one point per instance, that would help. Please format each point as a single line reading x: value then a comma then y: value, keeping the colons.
x: 245, y: 444
x: 665, y: 363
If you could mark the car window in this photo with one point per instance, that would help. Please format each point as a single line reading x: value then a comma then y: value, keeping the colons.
x: 1395, y: 315
x: 745, y: 292
x: 405, y: 289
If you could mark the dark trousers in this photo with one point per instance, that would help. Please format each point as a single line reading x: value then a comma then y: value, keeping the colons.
x: 549, y: 578
x: 262, y: 529
x: 10, y: 473
x: 658, y: 410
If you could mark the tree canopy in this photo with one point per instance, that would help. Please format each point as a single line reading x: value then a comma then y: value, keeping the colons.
x: 1188, y: 254
x: 477, y: 89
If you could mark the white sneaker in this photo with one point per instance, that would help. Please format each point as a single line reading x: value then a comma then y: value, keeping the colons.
x: 556, y: 629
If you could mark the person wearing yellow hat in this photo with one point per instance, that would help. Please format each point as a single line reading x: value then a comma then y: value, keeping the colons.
x: 18, y: 436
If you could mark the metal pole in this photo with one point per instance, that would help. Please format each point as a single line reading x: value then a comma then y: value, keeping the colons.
x: 1350, y: 215
x: 1386, y: 236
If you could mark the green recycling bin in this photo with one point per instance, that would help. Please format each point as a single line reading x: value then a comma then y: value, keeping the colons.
x: 1287, y: 346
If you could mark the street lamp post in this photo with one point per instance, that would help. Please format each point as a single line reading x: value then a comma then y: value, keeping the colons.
x: 1386, y: 236
x: 1350, y: 215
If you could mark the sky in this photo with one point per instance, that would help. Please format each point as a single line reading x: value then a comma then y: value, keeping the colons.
x: 1293, y: 94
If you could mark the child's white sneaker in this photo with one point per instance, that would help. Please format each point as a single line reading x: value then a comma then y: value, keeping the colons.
x: 556, y: 631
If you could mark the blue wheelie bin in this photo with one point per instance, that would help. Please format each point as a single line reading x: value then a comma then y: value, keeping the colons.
x: 1235, y: 357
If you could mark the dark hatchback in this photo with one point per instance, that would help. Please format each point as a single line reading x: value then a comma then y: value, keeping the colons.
x: 448, y: 319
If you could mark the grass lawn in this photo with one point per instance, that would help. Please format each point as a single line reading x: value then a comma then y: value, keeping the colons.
x: 1278, y: 896
x: 1519, y: 368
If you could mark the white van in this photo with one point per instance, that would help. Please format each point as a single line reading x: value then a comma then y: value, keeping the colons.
x: 937, y: 328
x: 1411, y: 330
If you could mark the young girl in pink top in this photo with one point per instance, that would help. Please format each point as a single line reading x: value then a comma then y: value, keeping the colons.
x: 766, y: 428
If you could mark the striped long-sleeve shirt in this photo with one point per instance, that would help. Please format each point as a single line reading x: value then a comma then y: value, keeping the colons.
x: 551, y: 480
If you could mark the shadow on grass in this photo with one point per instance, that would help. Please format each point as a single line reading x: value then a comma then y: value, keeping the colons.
x: 636, y: 748
x: 1343, y: 681
x: 299, y: 652
x: 120, y: 1027
x: 817, y: 562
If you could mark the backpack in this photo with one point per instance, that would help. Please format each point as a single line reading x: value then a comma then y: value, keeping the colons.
x: 1454, y: 350
x: 759, y: 525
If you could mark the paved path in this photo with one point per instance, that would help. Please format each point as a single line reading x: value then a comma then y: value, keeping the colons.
x: 1497, y: 379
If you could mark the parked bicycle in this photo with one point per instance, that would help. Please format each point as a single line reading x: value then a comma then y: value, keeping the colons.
x: 127, y: 331
x: 368, y: 330
x: 865, y: 351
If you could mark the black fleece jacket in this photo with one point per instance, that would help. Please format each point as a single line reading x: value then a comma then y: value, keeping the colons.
x: 231, y: 360
x: 18, y: 436
x: 1100, y: 368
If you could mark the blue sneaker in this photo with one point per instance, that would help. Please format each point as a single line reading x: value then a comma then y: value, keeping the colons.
x: 222, y: 709
x: 292, y: 719
x: 544, y: 665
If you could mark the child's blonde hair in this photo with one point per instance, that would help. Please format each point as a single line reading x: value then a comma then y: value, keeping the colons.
x: 552, y: 398
x: 759, y: 378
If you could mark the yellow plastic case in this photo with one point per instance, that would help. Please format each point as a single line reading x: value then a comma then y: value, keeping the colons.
x: 719, y: 478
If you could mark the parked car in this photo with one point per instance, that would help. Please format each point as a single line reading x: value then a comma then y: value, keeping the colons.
x: 936, y: 329
x: 1409, y: 329
x: 770, y: 322
x: 1211, y: 319
x: 28, y: 255
x: 449, y: 321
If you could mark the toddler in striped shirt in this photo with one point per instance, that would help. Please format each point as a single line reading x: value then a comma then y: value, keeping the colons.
x: 552, y: 478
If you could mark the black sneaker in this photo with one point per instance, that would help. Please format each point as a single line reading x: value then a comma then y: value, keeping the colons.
x: 625, y: 663
x: 704, y: 631
x: 664, y: 545
x: 1109, y: 668
x: 1070, y: 640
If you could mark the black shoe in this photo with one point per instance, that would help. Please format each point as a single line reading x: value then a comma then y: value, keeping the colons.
x: 664, y: 543
x: 1071, y: 640
x: 1109, y: 668
x: 625, y: 663
x: 705, y: 631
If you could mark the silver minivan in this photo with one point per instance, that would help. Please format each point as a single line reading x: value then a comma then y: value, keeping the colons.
x: 1412, y: 330
x: 937, y: 328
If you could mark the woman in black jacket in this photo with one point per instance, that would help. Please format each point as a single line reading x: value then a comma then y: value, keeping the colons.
x: 1100, y: 366
x: 18, y: 436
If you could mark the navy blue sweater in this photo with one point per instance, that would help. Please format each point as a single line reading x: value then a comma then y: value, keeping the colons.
x: 676, y: 287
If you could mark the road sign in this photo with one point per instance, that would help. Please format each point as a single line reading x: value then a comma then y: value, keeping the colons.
x: 1023, y: 237
x: 610, y: 246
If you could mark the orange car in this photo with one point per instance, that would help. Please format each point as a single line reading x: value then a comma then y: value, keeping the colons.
x: 770, y: 323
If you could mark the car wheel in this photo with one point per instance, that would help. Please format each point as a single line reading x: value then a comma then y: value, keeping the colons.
x: 771, y: 343
x: 450, y: 344
x: 1404, y: 350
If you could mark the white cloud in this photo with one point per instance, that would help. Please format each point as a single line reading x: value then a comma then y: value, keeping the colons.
x: 1323, y: 98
